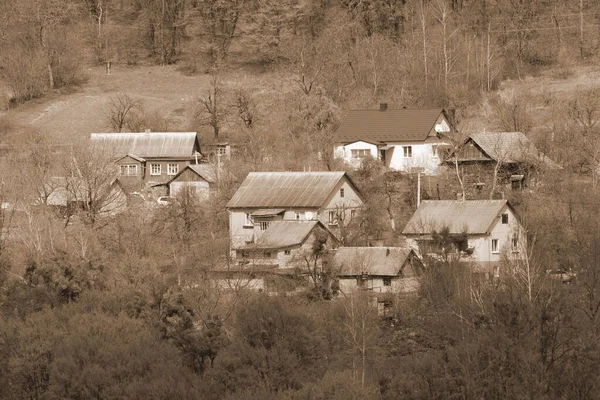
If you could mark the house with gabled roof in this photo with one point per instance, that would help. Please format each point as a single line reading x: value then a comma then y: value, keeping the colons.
x: 284, y: 242
x: 265, y: 198
x: 491, y: 227
x: 195, y: 179
x: 149, y: 157
x: 516, y: 156
x: 378, y: 269
x: 403, y: 139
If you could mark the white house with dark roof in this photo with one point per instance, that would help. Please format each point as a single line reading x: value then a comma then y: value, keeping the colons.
x: 402, y: 139
x: 492, y: 228
x: 378, y: 269
x: 149, y: 157
x: 268, y: 197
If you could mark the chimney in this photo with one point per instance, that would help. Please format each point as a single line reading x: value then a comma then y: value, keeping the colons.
x: 459, y: 196
x: 387, y: 252
x: 147, y: 130
x: 382, y: 106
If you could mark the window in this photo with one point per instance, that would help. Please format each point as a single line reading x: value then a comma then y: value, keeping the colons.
x: 387, y: 281
x: 264, y: 225
x: 129, y: 170
x: 407, y: 151
x: 287, y: 252
x: 155, y: 169
x: 332, y: 218
x: 247, y: 221
x: 352, y: 214
x: 360, y: 153
x: 342, y: 192
x: 300, y: 216
x: 515, y: 241
x: 172, y: 169
x: 221, y: 150
x: 495, y: 246
x: 267, y: 254
x: 505, y: 218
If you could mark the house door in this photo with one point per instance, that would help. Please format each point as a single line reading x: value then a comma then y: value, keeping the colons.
x: 382, y: 156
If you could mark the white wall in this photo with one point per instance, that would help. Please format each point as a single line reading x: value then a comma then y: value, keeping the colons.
x: 422, y: 156
x: 345, y: 152
x: 375, y: 284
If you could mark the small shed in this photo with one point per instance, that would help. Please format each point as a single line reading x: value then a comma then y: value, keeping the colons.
x: 196, y: 178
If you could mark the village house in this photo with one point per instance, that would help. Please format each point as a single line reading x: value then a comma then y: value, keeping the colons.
x: 195, y: 179
x: 377, y: 269
x: 264, y: 198
x: 149, y: 157
x: 72, y: 194
x: 512, y: 154
x: 402, y: 139
x: 491, y: 228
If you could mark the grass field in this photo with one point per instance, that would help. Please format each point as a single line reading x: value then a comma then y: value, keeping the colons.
x: 162, y: 89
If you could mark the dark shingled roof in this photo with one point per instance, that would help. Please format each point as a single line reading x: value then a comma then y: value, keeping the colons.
x: 286, y: 189
x: 374, y: 261
x: 403, y: 125
x: 282, y: 234
x: 469, y: 216
x: 148, y: 144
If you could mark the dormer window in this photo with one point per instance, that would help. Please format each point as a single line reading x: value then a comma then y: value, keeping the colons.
x: 342, y: 192
x: 505, y: 218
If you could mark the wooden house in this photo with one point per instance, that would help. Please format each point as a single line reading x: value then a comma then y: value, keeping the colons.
x: 149, y: 157
x: 268, y: 197
x: 491, y: 228
x: 403, y: 139
x: 377, y: 269
x: 516, y: 158
x: 198, y: 180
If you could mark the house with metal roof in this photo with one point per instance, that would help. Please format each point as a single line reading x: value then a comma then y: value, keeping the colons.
x: 516, y: 157
x: 284, y: 242
x: 378, y: 269
x: 195, y: 179
x: 149, y: 157
x: 268, y: 197
x: 403, y: 139
x: 491, y: 228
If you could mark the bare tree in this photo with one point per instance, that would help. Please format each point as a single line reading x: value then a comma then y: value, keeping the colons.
x: 120, y: 110
x: 246, y: 108
x: 210, y: 111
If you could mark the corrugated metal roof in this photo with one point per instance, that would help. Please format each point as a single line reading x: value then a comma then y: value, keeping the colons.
x: 268, y: 212
x: 206, y: 171
x: 510, y: 147
x: 403, y: 125
x: 148, y: 144
x: 470, y: 216
x: 379, y: 261
x: 285, y: 189
x: 281, y: 234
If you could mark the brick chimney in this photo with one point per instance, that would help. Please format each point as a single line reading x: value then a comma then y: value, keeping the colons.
x: 382, y: 106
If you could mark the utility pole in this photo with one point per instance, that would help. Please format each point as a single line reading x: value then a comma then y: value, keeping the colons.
x: 418, y: 170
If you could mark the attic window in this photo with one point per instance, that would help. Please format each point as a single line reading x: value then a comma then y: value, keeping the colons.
x: 129, y: 170
x: 342, y: 192
x: 505, y: 218
x: 287, y: 252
